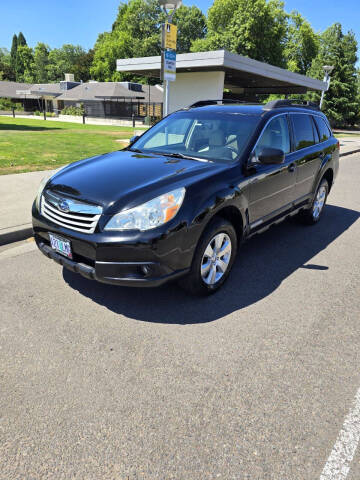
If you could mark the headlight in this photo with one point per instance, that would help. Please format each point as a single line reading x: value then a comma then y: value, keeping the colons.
x: 149, y: 215
x: 43, y: 184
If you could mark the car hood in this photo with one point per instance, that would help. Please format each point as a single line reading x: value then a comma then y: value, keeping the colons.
x: 125, y: 179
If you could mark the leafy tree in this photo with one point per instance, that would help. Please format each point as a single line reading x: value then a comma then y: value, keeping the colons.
x: 24, y: 64
x: 254, y: 28
x: 340, y: 101
x: 41, y: 62
x: 81, y: 68
x: 302, y: 44
x: 136, y: 33
x: 191, y: 25
x: 62, y: 60
x: 6, y: 71
x: 108, y: 48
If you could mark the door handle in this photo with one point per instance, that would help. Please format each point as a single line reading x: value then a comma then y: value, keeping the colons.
x: 292, y: 167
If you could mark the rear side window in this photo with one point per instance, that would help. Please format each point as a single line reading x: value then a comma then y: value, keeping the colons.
x: 324, y: 131
x: 303, y: 131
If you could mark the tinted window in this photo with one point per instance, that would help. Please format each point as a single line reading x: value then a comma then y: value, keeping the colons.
x: 323, y: 129
x: 316, y: 133
x: 275, y: 135
x: 303, y: 131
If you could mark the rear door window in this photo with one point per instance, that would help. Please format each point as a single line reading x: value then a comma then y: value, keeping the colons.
x: 324, y: 131
x: 303, y: 131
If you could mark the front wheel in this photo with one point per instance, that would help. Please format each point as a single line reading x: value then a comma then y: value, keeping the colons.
x: 313, y: 214
x: 213, y: 259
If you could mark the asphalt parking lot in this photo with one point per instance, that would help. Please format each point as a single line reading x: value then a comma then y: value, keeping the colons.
x: 255, y: 382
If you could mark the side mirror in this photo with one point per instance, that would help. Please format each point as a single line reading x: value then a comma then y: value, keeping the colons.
x: 133, y: 139
x: 269, y: 156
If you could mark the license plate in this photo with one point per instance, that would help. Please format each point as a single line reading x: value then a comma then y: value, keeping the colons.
x: 61, y: 245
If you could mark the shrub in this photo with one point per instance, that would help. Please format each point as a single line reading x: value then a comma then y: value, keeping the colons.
x: 8, y: 104
x: 72, y: 110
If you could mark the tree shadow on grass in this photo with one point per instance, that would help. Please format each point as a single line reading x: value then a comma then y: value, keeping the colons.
x: 25, y: 128
x: 262, y: 265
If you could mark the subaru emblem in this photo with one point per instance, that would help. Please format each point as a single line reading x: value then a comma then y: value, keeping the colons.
x: 63, y: 205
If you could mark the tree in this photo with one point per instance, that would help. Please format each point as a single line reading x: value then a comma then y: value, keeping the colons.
x: 136, y: 33
x: 41, y: 62
x: 24, y: 64
x: 340, y: 101
x: 191, y: 25
x: 6, y: 71
x: 81, y: 68
x: 13, y: 52
x: 254, y: 28
x: 21, y: 40
x: 62, y: 60
x: 302, y: 44
x: 108, y: 48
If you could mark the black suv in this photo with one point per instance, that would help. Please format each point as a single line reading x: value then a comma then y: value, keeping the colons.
x: 179, y: 201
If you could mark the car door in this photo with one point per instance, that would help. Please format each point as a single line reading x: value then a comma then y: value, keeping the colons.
x: 272, y: 186
x: 307, y: 154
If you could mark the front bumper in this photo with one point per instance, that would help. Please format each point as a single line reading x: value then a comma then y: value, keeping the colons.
x: 141, y: 259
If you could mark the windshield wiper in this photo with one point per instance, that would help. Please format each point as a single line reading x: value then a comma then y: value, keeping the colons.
x: 181, y: 155
x: 136, y: 150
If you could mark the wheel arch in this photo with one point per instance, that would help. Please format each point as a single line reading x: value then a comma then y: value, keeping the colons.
x: 329, y: 176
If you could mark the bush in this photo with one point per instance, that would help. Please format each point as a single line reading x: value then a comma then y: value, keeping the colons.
x: 8, y: 104
x: 37, y: 113
x: 72, y: 110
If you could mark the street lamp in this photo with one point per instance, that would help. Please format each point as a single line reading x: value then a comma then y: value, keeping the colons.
x: 327, y: 69
x: 169, y: 7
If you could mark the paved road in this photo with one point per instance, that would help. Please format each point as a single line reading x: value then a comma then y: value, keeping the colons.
x: 255, y: 382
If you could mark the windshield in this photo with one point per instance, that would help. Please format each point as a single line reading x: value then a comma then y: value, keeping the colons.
x: 213, y: 136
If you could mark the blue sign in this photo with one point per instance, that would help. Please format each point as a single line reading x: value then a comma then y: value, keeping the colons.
x: 170, y: 65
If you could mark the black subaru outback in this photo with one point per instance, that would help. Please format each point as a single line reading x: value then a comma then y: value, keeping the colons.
x: 180, y: 200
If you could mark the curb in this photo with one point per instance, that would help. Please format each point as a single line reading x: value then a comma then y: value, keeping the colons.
x: 349, y: 153
x: 15, y: 234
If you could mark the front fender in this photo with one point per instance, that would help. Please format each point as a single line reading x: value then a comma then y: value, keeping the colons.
x: 212, y: 205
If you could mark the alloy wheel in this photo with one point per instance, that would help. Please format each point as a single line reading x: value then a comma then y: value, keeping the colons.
x: 216, y: 258
x: 319, y: 202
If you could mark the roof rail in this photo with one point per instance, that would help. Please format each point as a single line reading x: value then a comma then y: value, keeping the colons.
x: 203, y: 103
x: 291, y: 103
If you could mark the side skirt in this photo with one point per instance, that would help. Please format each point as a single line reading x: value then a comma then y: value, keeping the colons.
x: 262, y: 225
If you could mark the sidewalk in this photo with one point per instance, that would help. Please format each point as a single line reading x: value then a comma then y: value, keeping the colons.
x: 17, y: 192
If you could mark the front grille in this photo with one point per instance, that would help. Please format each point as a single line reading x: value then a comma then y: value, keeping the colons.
x: 80, y: 217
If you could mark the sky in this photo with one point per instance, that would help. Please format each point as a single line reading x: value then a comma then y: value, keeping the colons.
x: 80, y: 21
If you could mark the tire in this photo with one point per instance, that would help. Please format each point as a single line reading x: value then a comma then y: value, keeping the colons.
x: 313, y: 214
x: 208, y: 270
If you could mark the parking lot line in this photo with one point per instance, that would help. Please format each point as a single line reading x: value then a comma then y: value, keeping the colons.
x: 338, y: 464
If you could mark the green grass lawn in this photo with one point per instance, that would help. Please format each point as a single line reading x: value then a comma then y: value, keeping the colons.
x: 352, y: 134
x: 28, y: 145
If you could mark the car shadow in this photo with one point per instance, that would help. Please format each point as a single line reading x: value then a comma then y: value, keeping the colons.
x: 261, y: 266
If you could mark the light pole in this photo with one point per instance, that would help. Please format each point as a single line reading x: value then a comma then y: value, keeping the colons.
x: 169, y: 7
x: 327, y: 69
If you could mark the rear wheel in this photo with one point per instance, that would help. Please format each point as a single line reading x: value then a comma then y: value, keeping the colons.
x: 313, y: 214
x: 213, y: 259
